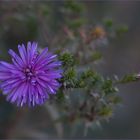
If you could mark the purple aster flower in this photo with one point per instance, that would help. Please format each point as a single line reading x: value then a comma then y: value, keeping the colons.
x: 31, y: 77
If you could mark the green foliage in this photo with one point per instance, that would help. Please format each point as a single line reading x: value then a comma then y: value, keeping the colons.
x: 74, y: 6
x: 129, y: 78
x: 108, y: 22
x: 96, y: 56
x: 87, y: 74
x: 69, y: 78
x: 67, y: 59
x: 115, y: 99
x: 108, y: 87
x: 60, y: 96
x: 121, y: 30
x: 70, y: 74
x: 44, y: 9
x: 105, y: 111
x: 32, y: 26
x: 76, y: 23
x: 90, y: 79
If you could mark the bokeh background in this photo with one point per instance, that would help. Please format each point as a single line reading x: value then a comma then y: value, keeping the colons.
x: 21, y: 21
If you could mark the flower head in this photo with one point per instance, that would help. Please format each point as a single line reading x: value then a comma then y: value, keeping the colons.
x: 31, y: 77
